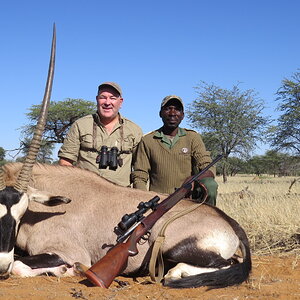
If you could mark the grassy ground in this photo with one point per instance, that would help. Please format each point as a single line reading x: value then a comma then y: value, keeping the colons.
x: 267, y: 208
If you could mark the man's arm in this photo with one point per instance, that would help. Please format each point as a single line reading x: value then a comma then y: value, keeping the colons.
x: 201, y: 157
x: 206, y: 184
x: 69, y: 151
x: 138, y: 134
x: 141, y: 167
x: 65, y: 162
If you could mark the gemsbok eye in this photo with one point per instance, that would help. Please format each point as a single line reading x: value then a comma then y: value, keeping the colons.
x: 18, y: 209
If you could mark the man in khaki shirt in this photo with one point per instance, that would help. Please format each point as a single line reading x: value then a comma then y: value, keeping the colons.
x: 107, y: 127
x: 167, y: 156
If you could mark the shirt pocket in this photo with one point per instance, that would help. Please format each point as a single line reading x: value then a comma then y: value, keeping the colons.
x: 87, y: 141
x: 185, y: 155
x: 128, y: 143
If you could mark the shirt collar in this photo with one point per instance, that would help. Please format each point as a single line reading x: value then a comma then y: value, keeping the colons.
x: 160, y: 134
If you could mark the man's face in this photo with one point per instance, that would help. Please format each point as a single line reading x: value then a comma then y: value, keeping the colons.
x: 172, y: 114
x: 109, y: 103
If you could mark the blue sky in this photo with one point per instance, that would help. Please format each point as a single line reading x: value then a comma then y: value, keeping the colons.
x: 151, y: 48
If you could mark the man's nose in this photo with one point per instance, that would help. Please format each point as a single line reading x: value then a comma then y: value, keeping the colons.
x: 107, y: 100
x: 172, y: 111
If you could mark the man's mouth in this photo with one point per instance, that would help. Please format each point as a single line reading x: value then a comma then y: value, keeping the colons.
x: 172, y: 120
x: 107, y: 108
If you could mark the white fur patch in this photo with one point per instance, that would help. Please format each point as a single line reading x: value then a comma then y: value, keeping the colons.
x: 38, y: 196
x: 223, y: 243
x: 182, y: 270
x: 3, y: 210
x: 22, y: 270
x: 6, y: 260
x: 18, y: 209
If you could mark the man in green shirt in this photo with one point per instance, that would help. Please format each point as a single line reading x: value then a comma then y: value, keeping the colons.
x: 107, y: 127
x: 166, y: 157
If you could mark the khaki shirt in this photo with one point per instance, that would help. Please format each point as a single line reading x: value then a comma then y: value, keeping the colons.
x: 87, y: 135
x: 165, y: 164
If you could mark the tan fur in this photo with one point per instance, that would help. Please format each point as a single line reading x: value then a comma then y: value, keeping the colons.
x: 82, y: 231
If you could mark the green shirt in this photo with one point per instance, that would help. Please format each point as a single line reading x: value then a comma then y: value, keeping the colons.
x: 165, y: 164
x: 87, y: 135
x: 167, y: 141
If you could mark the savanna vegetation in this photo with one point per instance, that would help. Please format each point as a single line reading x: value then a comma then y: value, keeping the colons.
x: 268, y: 208
x: 231, y: 121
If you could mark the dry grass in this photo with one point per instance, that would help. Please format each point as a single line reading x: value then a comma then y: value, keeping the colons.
x: 267, y: 208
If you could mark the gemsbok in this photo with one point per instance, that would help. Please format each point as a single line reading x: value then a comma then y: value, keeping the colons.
x: 62, y: 216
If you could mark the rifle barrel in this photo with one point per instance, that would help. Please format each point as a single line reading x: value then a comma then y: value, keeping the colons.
x: 195, y: 177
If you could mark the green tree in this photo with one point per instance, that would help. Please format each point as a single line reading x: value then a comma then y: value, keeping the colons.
x: 61, y: 115
x: 274, y: 162
x: 2, y: 156
x: 2, y: 153
x: 286, y: 135
x: 45, y: 152
x: 256, y: 165
x: 236, y: 165
x: 231, y: 120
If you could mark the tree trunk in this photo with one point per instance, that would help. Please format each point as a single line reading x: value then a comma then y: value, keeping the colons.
x: 224, y: 169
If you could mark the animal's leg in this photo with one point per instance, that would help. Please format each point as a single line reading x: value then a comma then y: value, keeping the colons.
x: 35, y: 265
x: 203, y: 262
x: 182, y: 270
x: 220, y: 270
x: 80, y: 269
x: 191, y: 261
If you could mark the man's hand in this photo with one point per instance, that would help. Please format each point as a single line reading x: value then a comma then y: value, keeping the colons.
x: 198, y: 188
x: 65, y: 162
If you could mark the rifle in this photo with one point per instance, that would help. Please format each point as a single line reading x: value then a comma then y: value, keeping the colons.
x: 103, y: 272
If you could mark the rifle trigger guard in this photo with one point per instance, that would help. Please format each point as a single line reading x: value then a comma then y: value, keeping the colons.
x: 144, y: 238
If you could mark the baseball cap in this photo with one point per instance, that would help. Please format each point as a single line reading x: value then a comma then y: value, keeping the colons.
x: 171, y: 97
x: 111, y: 84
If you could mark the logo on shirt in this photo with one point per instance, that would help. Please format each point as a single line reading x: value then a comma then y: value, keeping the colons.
x: 184, y: 150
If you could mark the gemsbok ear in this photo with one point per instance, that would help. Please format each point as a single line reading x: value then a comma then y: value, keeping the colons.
x: 46, y: 198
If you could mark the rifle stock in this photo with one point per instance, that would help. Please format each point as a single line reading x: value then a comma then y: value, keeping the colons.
x: 115, y: 261
x: 109, y: 266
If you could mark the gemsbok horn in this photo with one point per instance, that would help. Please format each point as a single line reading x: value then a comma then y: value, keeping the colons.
x: 25, y: 173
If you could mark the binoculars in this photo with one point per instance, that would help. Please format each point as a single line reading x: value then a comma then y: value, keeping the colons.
x: 108, y: 158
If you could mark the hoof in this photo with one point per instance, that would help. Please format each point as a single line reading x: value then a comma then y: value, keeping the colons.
x: 80, y: 269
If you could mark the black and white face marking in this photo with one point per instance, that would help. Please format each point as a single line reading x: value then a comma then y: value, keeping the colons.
x: 3, y: 210
x: 18, y: 210
x: 13, y: 205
